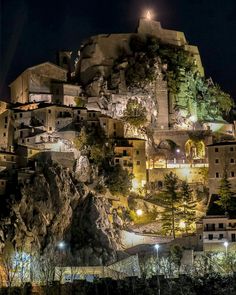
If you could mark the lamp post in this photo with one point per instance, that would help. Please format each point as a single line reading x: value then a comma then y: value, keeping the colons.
x: 226, y: 244
x: 139, y: 212
x: 158, y: 269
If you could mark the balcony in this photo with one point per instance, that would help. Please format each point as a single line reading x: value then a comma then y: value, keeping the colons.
x: 208, y: 229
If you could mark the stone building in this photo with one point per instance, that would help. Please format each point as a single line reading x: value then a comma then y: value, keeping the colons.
x: 34, y: 84
x: 6, y: 130
x: 113, y: 128
x: 218, y: 229
x: 222, y: 156
x: 130, y: 153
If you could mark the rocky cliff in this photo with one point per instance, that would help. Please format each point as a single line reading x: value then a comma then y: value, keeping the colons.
x: 52, y: 206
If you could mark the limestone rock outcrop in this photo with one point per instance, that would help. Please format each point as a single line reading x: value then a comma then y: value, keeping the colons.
x: 51, y: 206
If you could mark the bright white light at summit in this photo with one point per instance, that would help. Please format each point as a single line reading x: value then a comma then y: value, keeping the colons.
x: 148, y: 15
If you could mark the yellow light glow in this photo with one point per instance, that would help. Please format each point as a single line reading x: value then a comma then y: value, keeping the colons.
x: 182, y: 224
x: 139, y: 212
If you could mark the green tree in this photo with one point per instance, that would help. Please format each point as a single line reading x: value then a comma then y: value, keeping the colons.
x: 176, y: 253
x: 119, y: 180
x: 171, y: 203
x: 225, y: 193
x: 187, y: 206
x: 82, y: 140
x: 135, y: 113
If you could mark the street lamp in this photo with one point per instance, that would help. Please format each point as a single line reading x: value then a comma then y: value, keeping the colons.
x: 61, y: 245
x: 139, y: 212
x: 226, y: 244
x: 158, y: 270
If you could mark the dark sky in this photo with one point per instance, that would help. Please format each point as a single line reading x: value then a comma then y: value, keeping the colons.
x: 32, y: 31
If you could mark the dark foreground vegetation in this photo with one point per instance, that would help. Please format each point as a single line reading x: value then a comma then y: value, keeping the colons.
x: 184, y: 285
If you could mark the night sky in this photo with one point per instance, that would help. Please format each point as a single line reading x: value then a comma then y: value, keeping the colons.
x: 32, y: 31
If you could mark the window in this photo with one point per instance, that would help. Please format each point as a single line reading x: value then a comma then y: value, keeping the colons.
x: 49, y: 111
x: 20, y: 115
x: 114, y: 125
x: 5, y: 126
x: 221, y: 225
x: 217, y: 175
x: 117, y: 160
x: 78, y: 112
x: 160, y: 184
x: 124, y: 153
x: 114, y: 133
x: 94, y: 115
x: 50, y: 128
x: 232, y: 174
x: 138, y: 162
x: 137, y: 152
x: 233, y: 237
x: 125, y: 162
x: 58, y: 122
x: 6, y: 120
x: 231, y: 160
x: 90, y: 115
x: 231, y: 149
x: 27, y: 139
x: 221, y: 236
x: 210, y: 237
x: 216, y: 150
x: 217, y: 161
x: 4, y: 134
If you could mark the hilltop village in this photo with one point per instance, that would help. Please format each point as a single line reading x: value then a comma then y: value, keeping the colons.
x: 96, y: 151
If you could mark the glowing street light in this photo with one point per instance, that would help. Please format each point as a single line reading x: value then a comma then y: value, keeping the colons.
x: 193, y: 119
x: 226, y: 244
x: 158, y: 270
x: 139, y: 212
x: 61, y: 245
x: 177, y: 151
x: 182, y: 224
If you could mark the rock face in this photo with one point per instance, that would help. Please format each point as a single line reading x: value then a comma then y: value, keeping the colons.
x: 45, y: 210
x: 96, y: 237
x: 53, y: 206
